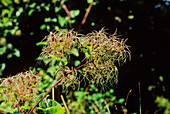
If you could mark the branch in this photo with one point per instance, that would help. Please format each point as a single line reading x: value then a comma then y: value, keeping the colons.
x: 66, y: 76
x: 18, y: 105
x: 62, y: 98
x: 87, y: 12
x: 127, y: 97
x: 140, y: 109
x: 67, y: 11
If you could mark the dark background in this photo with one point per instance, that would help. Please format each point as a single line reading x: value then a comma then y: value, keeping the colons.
x: 148, y: 35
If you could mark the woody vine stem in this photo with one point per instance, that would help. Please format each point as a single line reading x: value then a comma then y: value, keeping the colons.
x: 62, y: 79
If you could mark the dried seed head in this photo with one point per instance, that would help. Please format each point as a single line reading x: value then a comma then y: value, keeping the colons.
x: 20, y: 87
x: 118, y: 43
x: 22, y: 77
x: 27, y: 77
x: 34, y: 77
x: 9, y: 80
x: 52, y: 38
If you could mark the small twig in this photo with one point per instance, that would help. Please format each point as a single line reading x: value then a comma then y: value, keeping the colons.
x: 82, y: 108
x: 62, y: 98
x: 127, y: 97
x: 95, y: 108
x: 87, y: 12
x: 67, y: 11
x: 52, y: 93
x: 22, y: 111
x: 18, y: 106
x: 107, y: 107
x: 140, y: 109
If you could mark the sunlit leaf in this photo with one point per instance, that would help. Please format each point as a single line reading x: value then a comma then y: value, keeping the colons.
x: 25, y: 107
x: 18, y: 13
x: 54, y: 20
x: 14, y: 95
x: 92, y: 24
x: 72, y: 21
x: 131, y: 17
x: 121, y: 100
x: 42, y: 27
x: 161, y: 78
x: 17, y: 52
x: 58, y: 59
x: 41, y: 43
x: 118, y: 19
x: 57, y: 9
x: 2, y: 87
x: 77, y: 63
x: 9, y: 56
x: 74, y: 13
x: 32, y: 5
x: 61, y: 21
x: 111, y: 91
x: 30, y: 12
x: 47, y: 19
x: 75, y: 52
x: 52, y: 103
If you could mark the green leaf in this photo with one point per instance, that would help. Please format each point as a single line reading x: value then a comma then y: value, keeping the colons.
x: 14, y: 95
x: 74, y: 13
x: 54, y: 20
x: 161, y: 78
x: 42, y: 27
x: 6, y: 11
x: 42, y: 4
x: 131, y: 17
x: 32, y: 5
x: 9, y: 56
x: 72, y: 21
x: 41, y: 110
x: 42, y: 104
x: 25, y: 107
x: 3, y: 50
x: 89, y: 1
x: 52, y: 103
x: 47, y: 7
x: 121, y: 100
x: 48, y: 27
x: 57, y: 9
x: 47, y: 19
x: 30, y: 12
x: 17, y: 52
x: 111, y: 91
x: 77, y: 63
x: 41, y: 43
x: 61, y: 21
x: 57, y: 28
x: 151, y: 87
x: 92, y: 24
x: 2, y: 87
x: 5, y: 19
x: 75, y: 52
x: 9, y: 46
x: 56, y: 110
x: 2, y: 67
x: 58, y: 59
x: 18, y: 13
